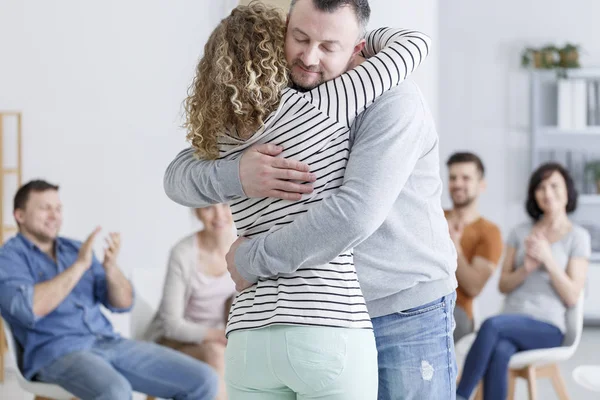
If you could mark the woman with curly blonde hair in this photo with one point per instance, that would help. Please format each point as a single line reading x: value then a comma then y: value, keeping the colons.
x: 239, y: 79
x: 305, y: 333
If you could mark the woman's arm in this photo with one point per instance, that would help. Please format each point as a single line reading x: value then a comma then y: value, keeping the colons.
x: 172, y: 307
x: 567, y: 283
x: 511, y: 278
x: 395, y: 55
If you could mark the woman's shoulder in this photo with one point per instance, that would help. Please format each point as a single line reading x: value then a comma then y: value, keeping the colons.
x: 185, y: 245
x: 580, y: 233
x: 518, y: 233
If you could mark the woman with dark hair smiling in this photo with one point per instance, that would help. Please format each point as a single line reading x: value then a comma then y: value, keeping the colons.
x: 544, y: 271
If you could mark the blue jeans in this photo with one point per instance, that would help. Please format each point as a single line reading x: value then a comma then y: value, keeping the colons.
x: 416, y: 352
x: 498, y: 339
x: 113, y: 368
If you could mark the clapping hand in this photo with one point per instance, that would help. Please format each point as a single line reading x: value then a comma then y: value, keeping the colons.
x: 538, y: 248
x: 85, y: 255
x: 111, y: 252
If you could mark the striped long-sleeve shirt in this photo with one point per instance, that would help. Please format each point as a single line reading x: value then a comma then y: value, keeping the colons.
x: 313, y: 127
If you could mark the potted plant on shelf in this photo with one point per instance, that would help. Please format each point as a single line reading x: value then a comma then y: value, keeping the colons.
x: 543, y: 58
x: 569, y: 56
x: 531, y: 56
x: 594, y: 168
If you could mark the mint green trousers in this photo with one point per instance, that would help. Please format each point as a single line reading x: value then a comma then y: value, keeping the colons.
x: 300, y: 362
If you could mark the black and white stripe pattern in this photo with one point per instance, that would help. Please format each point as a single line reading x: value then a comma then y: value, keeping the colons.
x: 313, y: 127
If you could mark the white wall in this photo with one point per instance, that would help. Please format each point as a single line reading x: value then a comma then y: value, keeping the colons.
x: 100, y: 86
x: 420, y: 15
x: 484, y: 94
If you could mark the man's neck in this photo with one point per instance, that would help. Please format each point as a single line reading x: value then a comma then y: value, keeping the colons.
x: 45, y: 246
x: 466, y: 215
x: 557, y: 222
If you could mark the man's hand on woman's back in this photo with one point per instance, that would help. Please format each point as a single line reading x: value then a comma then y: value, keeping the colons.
x: 263, y: 174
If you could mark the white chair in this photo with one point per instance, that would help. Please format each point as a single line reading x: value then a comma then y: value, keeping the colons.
x: 533, y: 364
x: 39, y: 389
x: 142, y: 315
x: 588, y: 376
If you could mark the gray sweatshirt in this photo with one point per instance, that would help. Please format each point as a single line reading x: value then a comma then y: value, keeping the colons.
x: 388, y: 209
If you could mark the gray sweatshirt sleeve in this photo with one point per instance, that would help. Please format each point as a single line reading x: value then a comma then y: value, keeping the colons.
x: 388, y: 141
x: 199, y: 183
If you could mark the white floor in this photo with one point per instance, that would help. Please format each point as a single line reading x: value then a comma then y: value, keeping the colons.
x: 588, y: 353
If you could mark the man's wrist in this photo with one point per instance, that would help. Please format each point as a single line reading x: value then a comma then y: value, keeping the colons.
x: 80, y: 266
x: 549, y: 265
x: 110, y: 270
x: 231, y: 183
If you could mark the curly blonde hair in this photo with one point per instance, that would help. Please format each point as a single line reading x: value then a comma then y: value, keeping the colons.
x: 239, y: 79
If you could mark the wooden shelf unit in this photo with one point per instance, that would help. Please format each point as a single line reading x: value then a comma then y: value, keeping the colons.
x: 7, y: 229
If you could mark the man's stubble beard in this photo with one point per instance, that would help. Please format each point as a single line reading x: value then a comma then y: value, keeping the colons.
x: 467, y: 202
x: 321, y: 80
x: 302, y: 88
x: 40, y: 237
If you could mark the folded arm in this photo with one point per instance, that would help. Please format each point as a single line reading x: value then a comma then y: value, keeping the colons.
x: 472, y: 276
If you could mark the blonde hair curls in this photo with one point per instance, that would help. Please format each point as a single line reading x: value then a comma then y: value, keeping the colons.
x: 239, y: 79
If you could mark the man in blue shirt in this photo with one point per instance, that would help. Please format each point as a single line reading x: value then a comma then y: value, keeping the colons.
x: 51, y: 289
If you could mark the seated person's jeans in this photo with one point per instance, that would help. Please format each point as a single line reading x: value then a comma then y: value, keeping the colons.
x: 113, y: 368
x: 463, y: 324
x: 416, y: 352
x: 498, y: 339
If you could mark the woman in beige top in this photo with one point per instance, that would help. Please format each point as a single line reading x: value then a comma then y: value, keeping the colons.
x: 198, y: 292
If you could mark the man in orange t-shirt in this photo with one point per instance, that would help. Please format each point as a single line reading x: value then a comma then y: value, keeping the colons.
x: 478, y: 241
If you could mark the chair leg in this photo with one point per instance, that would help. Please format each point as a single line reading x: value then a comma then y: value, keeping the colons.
x: 559, y: 383
x: 1, y: 364
x: 512, y: 381
x: 531, y: 383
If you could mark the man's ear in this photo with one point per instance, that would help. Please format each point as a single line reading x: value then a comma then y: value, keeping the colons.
x: 358, y: 47
x: 18, y: 214
x: 482, y: 185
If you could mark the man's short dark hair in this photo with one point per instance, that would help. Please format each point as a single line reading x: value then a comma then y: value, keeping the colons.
x: 32, y: 186
x: 466, y: 157
x: 543, y: 172
x: 361, y: 8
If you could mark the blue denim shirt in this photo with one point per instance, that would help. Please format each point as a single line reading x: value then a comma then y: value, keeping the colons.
x: 74, y: 325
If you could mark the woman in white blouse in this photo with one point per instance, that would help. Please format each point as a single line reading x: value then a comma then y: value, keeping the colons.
x: 198, y: 292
